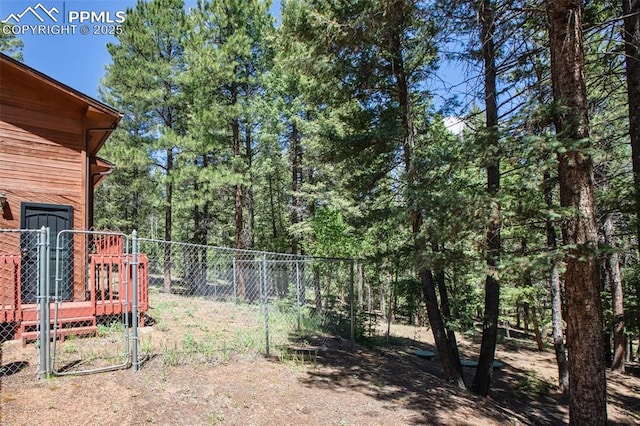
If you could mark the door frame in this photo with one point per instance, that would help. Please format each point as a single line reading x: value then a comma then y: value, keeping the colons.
x: 68, y: 269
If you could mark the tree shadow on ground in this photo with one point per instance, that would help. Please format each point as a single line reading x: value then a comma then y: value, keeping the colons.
x: 13, y: 368
x: 393, y: 373
x: 632, y: 369
x: 623, y: 392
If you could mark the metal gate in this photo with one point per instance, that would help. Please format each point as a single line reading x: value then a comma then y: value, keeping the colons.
x: 95, y: 294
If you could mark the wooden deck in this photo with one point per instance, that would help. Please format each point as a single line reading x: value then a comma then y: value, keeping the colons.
x: 108, y: 294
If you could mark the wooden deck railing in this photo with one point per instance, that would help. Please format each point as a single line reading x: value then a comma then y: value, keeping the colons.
x: 109, y: 285
x: 9, y: 287
x: 111, y: 280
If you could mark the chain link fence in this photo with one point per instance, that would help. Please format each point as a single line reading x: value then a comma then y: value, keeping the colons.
x: 69, y: 296
x: 23, y: 271
x: 207, y: 304
x: 193, y: 303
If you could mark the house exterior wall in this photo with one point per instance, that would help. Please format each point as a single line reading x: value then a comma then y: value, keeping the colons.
x: 42, y: 154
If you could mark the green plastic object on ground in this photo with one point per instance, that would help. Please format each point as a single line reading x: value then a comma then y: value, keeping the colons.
x: 473, y: 363
x: 425, y: 354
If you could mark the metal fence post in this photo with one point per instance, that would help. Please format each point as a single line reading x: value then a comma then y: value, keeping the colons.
x: 58, y: 280
x: 235, y: 282
x: 134, y: 305
x: 265, y: 305
x: 351, y: 303
x: 298, y: 296
x: 43, y: 278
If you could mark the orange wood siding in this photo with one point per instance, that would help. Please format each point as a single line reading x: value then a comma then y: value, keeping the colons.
x: 43, y: 152
x: 42, y: 137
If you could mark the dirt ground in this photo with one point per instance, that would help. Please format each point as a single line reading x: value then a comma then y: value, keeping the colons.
x: 381, y: 384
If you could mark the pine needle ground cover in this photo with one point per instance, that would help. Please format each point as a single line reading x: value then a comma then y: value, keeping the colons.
x: 204, y: 366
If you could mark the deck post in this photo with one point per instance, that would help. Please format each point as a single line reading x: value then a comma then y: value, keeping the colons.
x: 134, y: 306
x: 43, y: 281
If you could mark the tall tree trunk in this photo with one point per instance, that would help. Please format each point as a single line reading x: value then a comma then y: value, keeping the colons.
x: 296, y: 177
x: 450, y: 365
x: 587, y: 381
x: 383, y: 300
x: 191, y: 257
x: 274, y: 228
x: 449, y: 358
x: 444, y: 305
x: 168, y: 222
x: 195, y: 260
x: 360, y: 286
x: 239, y: 215
x: 482, y: 379
x: 536, y: 328
x: 556, y: 293
x: 558, y: 329
x: 249, y: 240
x: 530, y: 305
x: 135, y: 208
x: 239, y: 219
x: 390, y: 308
x: 631, y: 12
x: 450, y: 362
x: 614, y: 281
x: 317, y: 288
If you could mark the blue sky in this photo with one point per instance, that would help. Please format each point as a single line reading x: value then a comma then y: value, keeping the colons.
x: 74, y: 59
x: 79, y: 60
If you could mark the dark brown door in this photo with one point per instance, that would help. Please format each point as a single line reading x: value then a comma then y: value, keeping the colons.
x: 57, y: 218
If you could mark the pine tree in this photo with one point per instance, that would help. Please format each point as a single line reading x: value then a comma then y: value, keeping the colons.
x: 587, y: 383
x: 631, y: 13
x: 381, y: 51
x: 228, y: 56
x: 147, y: 62
x: 482, y: 379
x: 10, y: 45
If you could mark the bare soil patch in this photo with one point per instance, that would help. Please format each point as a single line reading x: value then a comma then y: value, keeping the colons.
x: 371, y: 384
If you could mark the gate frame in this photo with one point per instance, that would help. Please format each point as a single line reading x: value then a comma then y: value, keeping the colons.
x: 44, y: 300
x: 130, y: 337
